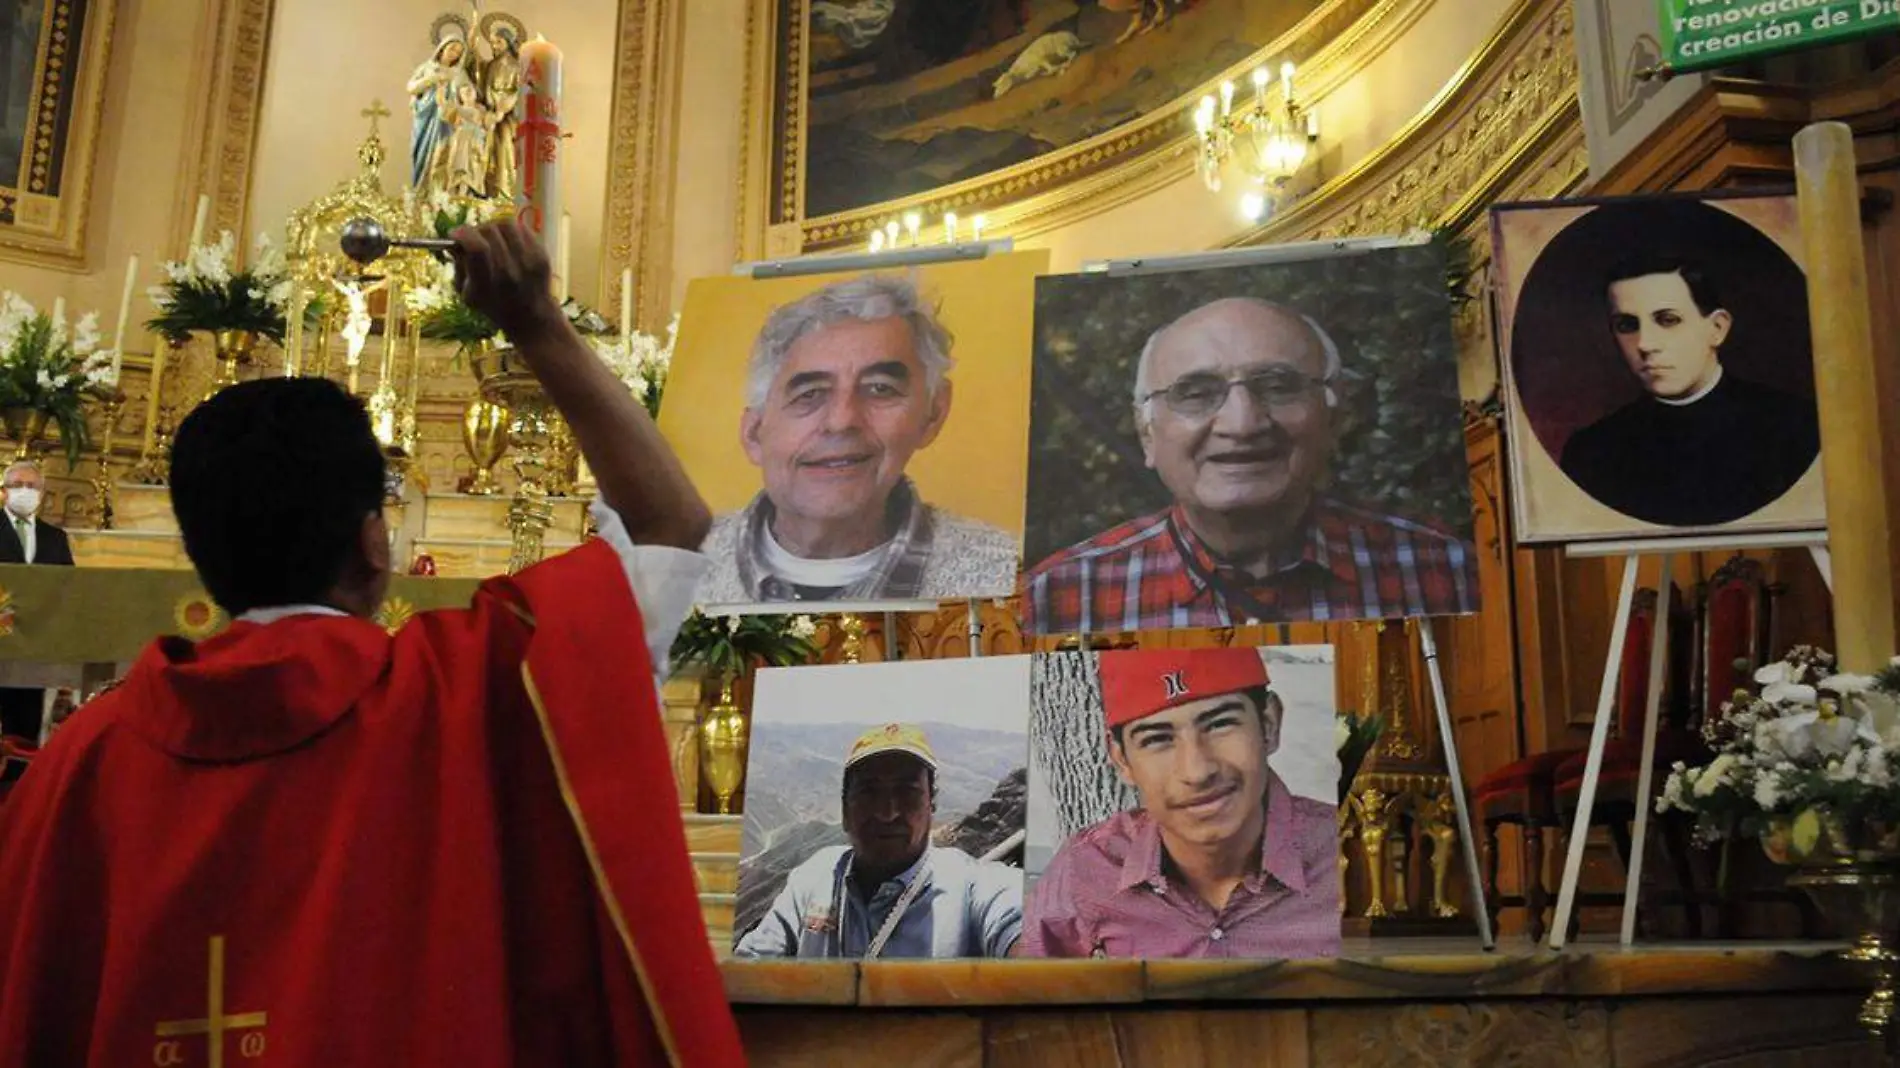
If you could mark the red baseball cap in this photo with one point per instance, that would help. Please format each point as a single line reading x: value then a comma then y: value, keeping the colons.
x: 1137, y: 683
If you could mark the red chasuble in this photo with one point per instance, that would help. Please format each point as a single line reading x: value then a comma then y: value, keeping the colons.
x: 314, y: 844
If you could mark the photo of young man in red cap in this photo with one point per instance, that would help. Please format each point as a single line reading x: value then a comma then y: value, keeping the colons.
x: 1221, y: 859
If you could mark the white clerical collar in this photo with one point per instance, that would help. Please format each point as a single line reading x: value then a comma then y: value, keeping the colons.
x: 815, y: 574
x: 266, y: 616
x: 1684, y: 402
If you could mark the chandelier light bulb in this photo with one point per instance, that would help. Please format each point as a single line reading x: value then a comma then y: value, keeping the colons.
x: 890, y: 233
x: 978, y: 225
x: 914, y: 223
x: 1286, y: 79
x: 1261, y: 76
x: 1226, y: 98
x: 1253, y: 207
x: 877, y: 241
x: 950, y: 227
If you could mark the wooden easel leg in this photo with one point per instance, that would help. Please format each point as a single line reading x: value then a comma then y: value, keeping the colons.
x: 1593, y: 764
x: 1428, y: 648
x: 1645, y: 777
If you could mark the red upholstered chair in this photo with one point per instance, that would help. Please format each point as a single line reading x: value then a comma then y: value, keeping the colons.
x: 1522, y: 792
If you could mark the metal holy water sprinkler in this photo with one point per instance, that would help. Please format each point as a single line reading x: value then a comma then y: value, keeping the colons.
x: 365, y: 241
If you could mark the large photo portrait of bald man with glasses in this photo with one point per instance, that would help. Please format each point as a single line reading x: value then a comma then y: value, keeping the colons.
x: 1272, y: 443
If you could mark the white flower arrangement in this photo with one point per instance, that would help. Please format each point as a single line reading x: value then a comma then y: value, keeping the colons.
x: 1811, y: 740
x: 209, y: 291
x: 640, y: 361
x: 50, y: 365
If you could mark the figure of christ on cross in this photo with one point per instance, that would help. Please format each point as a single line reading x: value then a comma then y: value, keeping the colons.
x: 468, y: 833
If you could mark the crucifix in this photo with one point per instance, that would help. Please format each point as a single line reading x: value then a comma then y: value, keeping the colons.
x: 170, y: 1053
x: 374, y: 113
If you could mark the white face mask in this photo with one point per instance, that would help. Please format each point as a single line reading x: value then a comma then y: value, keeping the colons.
x: 23, y: 501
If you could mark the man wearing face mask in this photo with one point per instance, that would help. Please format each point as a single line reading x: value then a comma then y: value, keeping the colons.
x: 1700, y: 446
x: 29, y: 540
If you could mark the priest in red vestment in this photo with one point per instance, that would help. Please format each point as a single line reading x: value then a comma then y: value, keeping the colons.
x: 307, y: 842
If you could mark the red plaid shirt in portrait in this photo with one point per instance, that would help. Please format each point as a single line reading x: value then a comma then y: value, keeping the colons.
x: 1154, y: 574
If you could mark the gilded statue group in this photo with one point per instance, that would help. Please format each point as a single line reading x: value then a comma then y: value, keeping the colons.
x: 462, y: 102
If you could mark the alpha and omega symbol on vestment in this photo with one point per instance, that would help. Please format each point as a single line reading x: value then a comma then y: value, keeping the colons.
x: 1175, y: 683
x: 171, y: 1050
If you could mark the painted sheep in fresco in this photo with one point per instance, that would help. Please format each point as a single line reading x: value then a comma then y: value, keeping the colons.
x: 1046, y: 57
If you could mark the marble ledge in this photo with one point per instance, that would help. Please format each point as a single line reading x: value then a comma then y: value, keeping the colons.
x: 1647, y: 971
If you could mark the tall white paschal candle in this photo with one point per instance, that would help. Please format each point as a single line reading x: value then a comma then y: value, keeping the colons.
x: 538, y: 140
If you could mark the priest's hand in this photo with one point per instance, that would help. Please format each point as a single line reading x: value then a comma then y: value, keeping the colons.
x: 502, y: 271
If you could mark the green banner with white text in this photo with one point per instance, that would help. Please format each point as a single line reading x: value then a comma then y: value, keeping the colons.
x: 1699, y: 34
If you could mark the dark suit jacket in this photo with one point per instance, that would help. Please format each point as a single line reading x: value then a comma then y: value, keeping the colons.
x: 54, y: 548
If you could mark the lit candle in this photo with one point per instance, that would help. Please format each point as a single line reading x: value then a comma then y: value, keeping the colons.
x: 914, y: 223
x: 890, y: 234
x: 877, y: 241
x: 125, y: 313
x: 538, y: 138
x: 1312, y: 125
x: 950, y: 227
x: 1261, y: 76
x: 626, y: 302
x: 566, y: 242
x: 198, y: 222
x: 1286, y: 79
x: 978, y: 225
x: 1227, y: 98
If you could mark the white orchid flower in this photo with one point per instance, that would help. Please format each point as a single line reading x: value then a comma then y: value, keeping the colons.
x: 1715, y: 776
x: 1779, y: 671
x: 1789, y: 693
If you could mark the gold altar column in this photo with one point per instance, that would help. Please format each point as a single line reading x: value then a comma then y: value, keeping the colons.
x: 1847, y: 396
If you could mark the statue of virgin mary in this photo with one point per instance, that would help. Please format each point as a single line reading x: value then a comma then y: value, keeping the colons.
x: 428, y: 124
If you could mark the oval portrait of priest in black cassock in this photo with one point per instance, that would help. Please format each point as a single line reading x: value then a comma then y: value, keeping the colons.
x: 1659, y: 357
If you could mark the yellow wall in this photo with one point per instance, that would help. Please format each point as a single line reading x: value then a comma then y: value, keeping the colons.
x: 151, y: 94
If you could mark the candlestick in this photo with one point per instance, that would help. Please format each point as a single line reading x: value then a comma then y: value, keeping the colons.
x: 538, y: 138
x: 152, y: 391
x: 626, y: 303
x: 566, y: 261
x: 950, y: 228
x: 102, y: 479
x: 198, y: 222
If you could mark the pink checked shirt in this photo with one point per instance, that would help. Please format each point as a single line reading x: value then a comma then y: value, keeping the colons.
x: 1105, y: 893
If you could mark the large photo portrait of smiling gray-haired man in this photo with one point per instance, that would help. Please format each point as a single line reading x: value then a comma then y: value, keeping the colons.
x: 1266, y: 443
x: 861, y: 435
